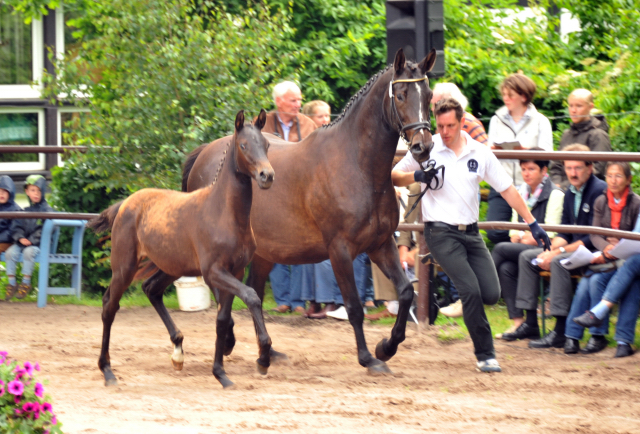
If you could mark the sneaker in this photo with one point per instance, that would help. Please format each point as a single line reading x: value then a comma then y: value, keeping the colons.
x: 453, y: 310
x: 340, y: 313
x: 588, y: 319
x: 490, y: 365
x: 10, y: 291
x: 23, y: 290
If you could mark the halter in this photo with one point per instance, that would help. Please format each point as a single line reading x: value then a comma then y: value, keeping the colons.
x: 416, y: 125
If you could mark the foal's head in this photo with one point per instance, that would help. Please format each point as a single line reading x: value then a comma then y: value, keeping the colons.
x: 410, y: 103
x: 251, y: 150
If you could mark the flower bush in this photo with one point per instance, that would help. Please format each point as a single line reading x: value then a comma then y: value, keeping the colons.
x: 24, y: 408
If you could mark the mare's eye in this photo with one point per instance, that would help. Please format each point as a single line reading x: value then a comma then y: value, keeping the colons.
x: 400, y: 97
x: 243, y: 146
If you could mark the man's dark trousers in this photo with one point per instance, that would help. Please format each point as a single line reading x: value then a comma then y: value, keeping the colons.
x: 467, y: 262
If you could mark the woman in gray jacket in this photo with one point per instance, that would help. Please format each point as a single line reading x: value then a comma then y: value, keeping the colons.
x: 516, y: 121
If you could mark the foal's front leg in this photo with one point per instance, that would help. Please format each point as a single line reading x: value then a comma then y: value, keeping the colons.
x: 230, y: 286
x: 225, y: 302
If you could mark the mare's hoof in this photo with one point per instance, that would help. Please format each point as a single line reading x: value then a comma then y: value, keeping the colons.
x: 226, y: 383
x: 380, y: 354
x: 227, y: 351
x: 262, y: 370
x: 278, y: 358
x: 177, y: 365
x: 379, y: 368
x: 110, y: 382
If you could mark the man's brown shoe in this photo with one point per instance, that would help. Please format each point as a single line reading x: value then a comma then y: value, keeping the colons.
x: 300, y: 310
x: 23, y: 290
x: 283, y: 308
x: 10, y: 291
x: 376, y: 316
x: 329, y: 307
x: 313, y: 308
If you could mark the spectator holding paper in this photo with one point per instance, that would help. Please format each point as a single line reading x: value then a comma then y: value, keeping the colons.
x: 577, y: 209
x: 519, y: 122
x: 617, y: 208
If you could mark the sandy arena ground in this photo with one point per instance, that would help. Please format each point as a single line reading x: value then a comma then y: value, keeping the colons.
x: 435, y: 387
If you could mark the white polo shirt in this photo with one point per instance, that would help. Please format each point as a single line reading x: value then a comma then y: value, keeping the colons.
x: 457, y: 202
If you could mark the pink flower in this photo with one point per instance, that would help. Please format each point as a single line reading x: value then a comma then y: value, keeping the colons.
x: 37, y: 367
x: 19, y: 371
x: 16, y: 387
x: 29, y: 368
x: 46, y: 407
x: 1, y: 383
x: 39, y: 390
x: 4, y: 353
x: 1, y: 391
x: 16, y: 399
x: 30, y: 407
x: 54, y: 421
x: 46, y: 431
x: 18, y: 412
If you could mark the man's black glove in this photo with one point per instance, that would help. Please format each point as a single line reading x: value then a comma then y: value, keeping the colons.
x: 540, y: 235
x: 425, y: 176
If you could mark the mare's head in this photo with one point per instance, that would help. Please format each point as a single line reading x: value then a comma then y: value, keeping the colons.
x: 410, y: 97
x: 251, y: 150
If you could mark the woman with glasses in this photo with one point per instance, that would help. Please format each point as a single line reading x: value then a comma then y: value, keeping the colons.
x: 616, y: 208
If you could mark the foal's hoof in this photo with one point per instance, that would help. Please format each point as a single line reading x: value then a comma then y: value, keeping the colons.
x: 379, y: 368
x: 110, y: 382
x: 278, y: 358
x: 262, y: 370
x: 177, y: 365
x: 227, y: 351
x: 380, y: 354
x: 226, y: 383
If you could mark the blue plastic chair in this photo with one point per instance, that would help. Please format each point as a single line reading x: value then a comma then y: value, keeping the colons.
x: 48, y: 255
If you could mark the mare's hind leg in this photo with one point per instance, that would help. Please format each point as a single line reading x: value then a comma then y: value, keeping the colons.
x: 387, y: 258
x: 342, y: 264
x: 230, y: 286
x: 223, y: 321
x: 124, y: 266
x: 258, y: 274
x: 154, y: 288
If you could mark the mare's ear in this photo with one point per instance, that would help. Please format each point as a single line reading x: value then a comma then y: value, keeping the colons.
x: 261, y: 120
x: 398, y: 63
x: 427, y: 63
x: 240, y: 121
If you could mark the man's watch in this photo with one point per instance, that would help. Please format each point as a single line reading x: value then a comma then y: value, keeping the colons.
x: 562, y: 250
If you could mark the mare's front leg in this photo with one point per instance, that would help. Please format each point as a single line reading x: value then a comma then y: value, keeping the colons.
x: 154, y: 288
x: 229, y: 287
x: 342, y: 264
x: 387, y: 258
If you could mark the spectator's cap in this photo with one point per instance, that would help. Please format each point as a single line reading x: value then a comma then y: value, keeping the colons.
x: 33, y: 180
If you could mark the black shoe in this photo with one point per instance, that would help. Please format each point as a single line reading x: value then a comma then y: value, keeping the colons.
x: 624, y: 351
x: 595, y: 345
x: 525, y: 331
x: 571, y: 346
x: 588, y: 319
x: 549, y: 341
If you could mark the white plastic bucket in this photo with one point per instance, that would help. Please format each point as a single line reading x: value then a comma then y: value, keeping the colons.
x: 193, y: 294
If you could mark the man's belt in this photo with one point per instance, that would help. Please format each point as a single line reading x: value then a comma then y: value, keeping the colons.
x: 462, y: 228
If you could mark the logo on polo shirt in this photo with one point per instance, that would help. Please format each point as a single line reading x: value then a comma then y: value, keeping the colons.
x: 472, y: 165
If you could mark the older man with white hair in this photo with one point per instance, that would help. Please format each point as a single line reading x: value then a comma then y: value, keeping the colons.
x: 470, y: 124
x: 287, y: 121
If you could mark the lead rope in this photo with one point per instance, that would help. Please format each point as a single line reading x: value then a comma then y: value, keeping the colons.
x: 432, y: 171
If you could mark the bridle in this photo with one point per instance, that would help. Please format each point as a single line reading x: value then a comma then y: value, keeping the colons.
x: 417, y: 126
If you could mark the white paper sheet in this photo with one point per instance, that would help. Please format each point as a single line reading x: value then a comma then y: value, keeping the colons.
x: 579, y: 258
x: 625, y: 249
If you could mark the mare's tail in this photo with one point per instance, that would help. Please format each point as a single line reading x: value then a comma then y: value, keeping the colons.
x: 104, y: 222
x: 188, y: 165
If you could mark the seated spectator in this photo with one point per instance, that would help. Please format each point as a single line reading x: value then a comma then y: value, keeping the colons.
x: 26, y: 234
x: 623, y: 288
x: 470, y: 124
x: 516, y: 121
x: 545, y: 202
x: 318, y: 111
x: 577, y: 209
x: 618, y: 208
x: 585, y: 130
x: 7, y: 203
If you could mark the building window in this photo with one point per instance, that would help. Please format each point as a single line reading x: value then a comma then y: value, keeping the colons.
x: 21, y: 60
x: 21, y: 127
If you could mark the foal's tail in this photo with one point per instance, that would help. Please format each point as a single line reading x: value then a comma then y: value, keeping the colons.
x: 104, y: 222
x: 188, y: 165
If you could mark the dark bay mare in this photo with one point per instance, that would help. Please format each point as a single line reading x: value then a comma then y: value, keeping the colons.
x: 334, y: 197
x: 207, y: 232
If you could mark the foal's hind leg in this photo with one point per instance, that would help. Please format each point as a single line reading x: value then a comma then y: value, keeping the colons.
x: 387, y: 258
x: 225, y: 302
x: 154, y: 287
x: 258, y: 274
x: 123, y: 269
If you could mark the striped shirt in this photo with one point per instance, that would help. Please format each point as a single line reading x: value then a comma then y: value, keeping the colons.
x: 472, y: 126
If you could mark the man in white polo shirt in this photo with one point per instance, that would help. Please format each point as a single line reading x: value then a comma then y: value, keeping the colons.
x: 451, y: 215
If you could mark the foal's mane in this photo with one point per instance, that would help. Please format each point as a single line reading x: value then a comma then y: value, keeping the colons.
x: 358, y: 95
